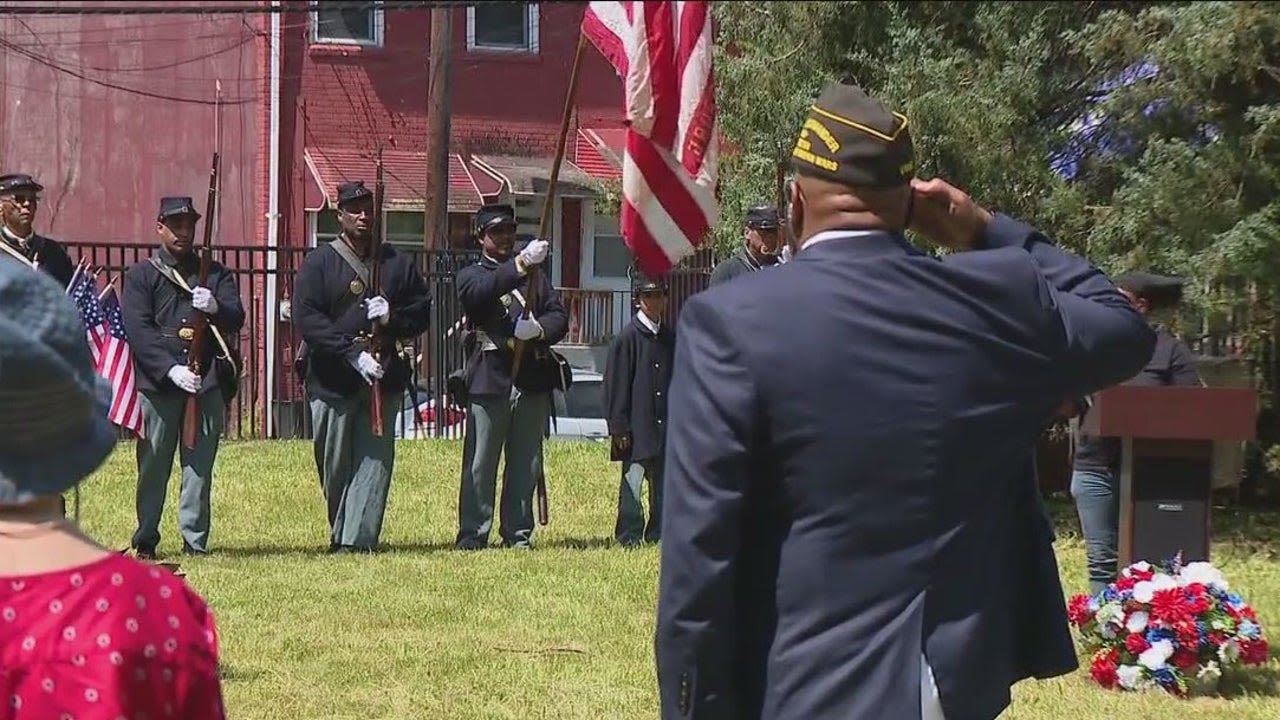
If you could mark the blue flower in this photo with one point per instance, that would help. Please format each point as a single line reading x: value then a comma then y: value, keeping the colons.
x: 1235, y: 601
x: 1094, y: 604
x: 1249, y: 629
x: 1109, y: 594
x: 1166, y: 676
x: 1155, y: 635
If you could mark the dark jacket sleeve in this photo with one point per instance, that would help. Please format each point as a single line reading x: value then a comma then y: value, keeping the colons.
x: 619, y: 372
x: 230, y: 315
x: 310, y: 312
x: 479, y: 288
x: 708, y: 464
x: 56, y: 262
x: 1182, y: 367
x: 411, y: 307
x: 1097, y: 338
x: 138, y: 311
x: 552, y: 316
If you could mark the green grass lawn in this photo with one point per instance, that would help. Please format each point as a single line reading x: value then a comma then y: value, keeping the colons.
x: 424, y: 633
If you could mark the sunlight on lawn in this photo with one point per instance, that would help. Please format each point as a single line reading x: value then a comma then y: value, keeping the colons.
x: 564, y: 632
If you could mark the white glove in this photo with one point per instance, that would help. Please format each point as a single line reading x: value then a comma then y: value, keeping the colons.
x: 378, y: 309
x: 528, y: 329
x: 202, y: 300
x: 535, y: 252
x: 368, y: 368
x: 186, y: 380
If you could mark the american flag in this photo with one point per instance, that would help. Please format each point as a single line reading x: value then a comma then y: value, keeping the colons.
x: 663, y: 51
x: 112, y: 358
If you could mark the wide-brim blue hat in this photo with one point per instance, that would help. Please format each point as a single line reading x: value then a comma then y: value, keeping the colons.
x: 54, y: 429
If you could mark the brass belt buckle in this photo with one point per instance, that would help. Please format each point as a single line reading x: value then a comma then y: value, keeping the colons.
x: 187, y: 334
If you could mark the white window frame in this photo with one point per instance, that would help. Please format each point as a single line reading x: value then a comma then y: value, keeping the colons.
x: 313, y: 230
x: 379, y: 28
x: 531, y: 47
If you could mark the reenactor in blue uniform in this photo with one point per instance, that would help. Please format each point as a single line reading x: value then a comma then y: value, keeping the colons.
x: 761, y: 246
x: 1095, y: 473
x: 19, y: 202
x: 636, y: 378
x: 851, y: 527
x: 161, y: 296
x: 505, y: 416
x: 334, y: 312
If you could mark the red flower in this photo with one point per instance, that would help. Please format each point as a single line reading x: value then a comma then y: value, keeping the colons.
x: 1078, y: 610
x: 1169, y: 606
x: 1140, y: 575
x: 1103, y: 671
x: 1197, y: 603
x: 1188, y: 635
x: 1253, y: 652
x: 1125, y: 583
x: 1184, y: 659
x: 1136, y: 643
x: 1196, y: 589
x: 1248, y: 613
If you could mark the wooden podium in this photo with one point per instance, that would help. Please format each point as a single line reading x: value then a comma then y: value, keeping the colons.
x: 1166, y: 480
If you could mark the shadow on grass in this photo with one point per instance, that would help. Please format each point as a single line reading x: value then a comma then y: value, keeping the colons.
x: 571, y: 543
x: 1254, y: 681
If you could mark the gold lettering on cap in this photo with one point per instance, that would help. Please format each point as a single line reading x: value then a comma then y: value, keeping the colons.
x: 824, y: 163
x: 822, y: 132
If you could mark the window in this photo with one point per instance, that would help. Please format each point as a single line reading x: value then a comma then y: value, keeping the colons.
x: 403, y: 228
x: 610, y: 257
x: 346, y: 23
x: 503, y: 26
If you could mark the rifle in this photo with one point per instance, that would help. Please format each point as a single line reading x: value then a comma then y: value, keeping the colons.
x: 200, y: 321
x: 375, y: 289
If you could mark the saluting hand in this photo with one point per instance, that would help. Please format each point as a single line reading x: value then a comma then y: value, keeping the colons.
x: 946, y: 215
x: 202, y: 300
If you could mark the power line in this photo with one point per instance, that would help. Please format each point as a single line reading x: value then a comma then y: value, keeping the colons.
x: 151, y: 8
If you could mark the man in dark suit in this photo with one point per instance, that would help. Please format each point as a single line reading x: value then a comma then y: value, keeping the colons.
x: 1096, y: 460
x: 636, y: 378
x: 19, y: 201
x: 505, y: 415
x: 847, y: 528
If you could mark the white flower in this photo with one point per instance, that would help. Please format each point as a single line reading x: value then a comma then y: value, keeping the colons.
x: 1142, y: 566
x: 1137, y: 622
x: 1209, y: 670
x: 1107, y: 631
x: 1130, y: 676
x: 1229, y: 652
x: 1145, y: 590
x: 1111, y: 614
x: 1154, y: 657
x: 1205, y: 574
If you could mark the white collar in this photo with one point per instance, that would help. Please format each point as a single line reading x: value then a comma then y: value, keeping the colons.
x: 647, y: 321
x: 826, y: 235
x: 23, y: 242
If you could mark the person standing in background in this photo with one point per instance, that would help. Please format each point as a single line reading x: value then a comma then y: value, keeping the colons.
x: 637, y: 375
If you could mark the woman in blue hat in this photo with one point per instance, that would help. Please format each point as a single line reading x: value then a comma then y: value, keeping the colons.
x: 84, y: 631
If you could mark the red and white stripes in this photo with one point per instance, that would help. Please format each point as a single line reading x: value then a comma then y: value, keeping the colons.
x: 663, y: 51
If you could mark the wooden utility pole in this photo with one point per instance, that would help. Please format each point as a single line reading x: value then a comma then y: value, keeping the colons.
x: 436, y: 225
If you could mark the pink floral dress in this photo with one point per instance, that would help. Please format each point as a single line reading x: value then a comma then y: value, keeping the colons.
x: 111, y: 640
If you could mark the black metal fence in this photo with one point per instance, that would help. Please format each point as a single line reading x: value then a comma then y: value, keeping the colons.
x: 272, y: 400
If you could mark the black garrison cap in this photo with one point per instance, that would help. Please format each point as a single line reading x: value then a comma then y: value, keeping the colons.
x: 352, y: 191
x: 762, y: 217
x: 171, y: 206
x: 1157, y: 290
x: 853, y: 139
x: 19, y: 181
x: 489, y: 216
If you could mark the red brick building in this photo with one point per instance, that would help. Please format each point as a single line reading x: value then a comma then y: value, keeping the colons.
x: 111, y: 112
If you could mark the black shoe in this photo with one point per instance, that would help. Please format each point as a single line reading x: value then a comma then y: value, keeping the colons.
x: 142, y: 553
x: 189, y: 550
x: 469, y: 545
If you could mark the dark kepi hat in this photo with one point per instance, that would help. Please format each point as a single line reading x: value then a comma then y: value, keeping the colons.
x: 1157, y: 290
x: 490, y: 216
x: 171, y: 206
x: 762, y: 217
x: 850, y: 138
x: 19, y: 181
x: 352, y: 191
x: 641, y: 283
